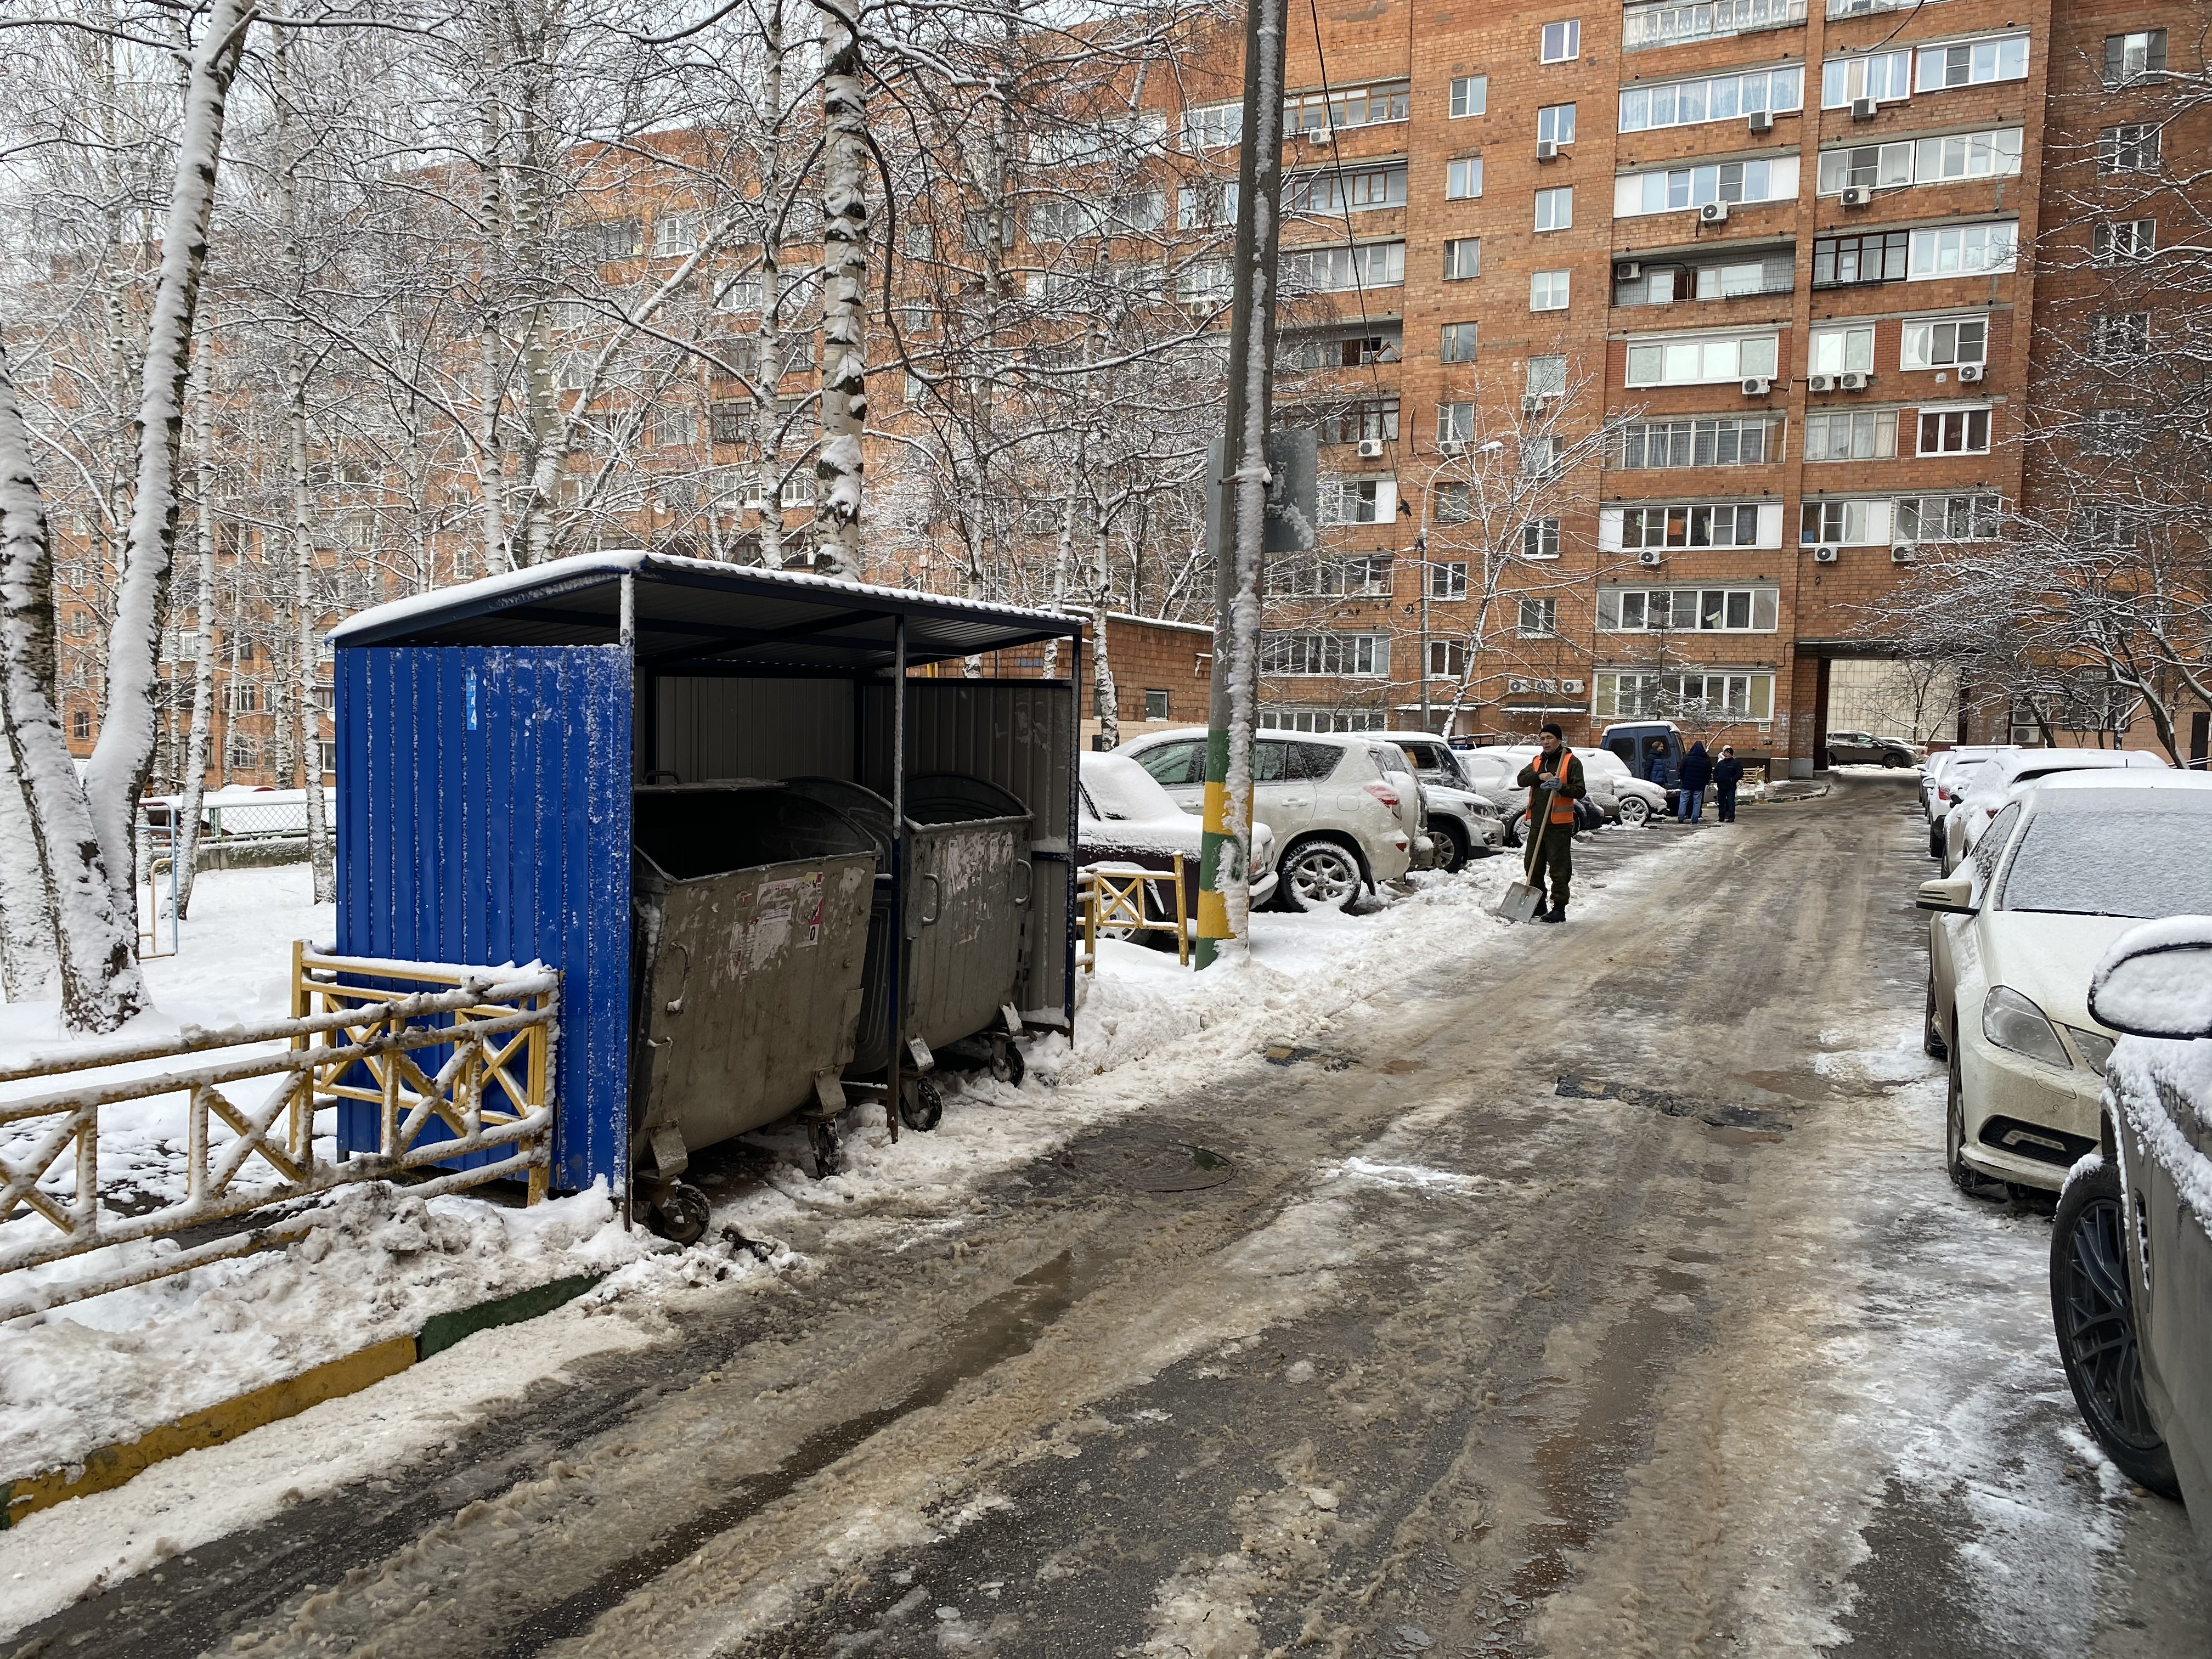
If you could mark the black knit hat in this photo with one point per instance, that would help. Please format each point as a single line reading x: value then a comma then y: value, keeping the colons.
x: 1552, y: 726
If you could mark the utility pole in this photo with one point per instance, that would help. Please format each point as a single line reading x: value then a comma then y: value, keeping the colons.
x: 1224, y: 860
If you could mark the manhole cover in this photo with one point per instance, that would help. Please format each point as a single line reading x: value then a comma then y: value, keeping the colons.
x: 1175, y: 1167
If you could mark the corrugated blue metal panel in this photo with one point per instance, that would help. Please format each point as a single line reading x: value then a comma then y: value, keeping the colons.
x: 486, y: 819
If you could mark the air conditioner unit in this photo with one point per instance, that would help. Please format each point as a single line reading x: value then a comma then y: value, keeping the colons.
x: 1533, y: 403
x: 1762, y: 121
x: 1824, y: 555
x: 1903, y: 553
x: 1971, y: 372
x: 1517, y: 688
x: 1858, y: 196
x: 1452, y: 446
x: 1713, y: 213
x: 1757, y: 387
x: 1571, y: 688
x: 1648, y: 556
x: 1546, y: 150
x: 1371, y: 449
x: 1320, y: 136
x: 1819, y: 383
x: 1628, y: 270
x: 1854, y: 382
x: 1863, y: 109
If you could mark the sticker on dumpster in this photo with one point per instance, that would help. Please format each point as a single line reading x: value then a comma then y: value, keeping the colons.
x: 781, y: 912
x: 469, y: 691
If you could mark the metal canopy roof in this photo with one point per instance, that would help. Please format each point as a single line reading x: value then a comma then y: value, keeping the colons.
x: 693, y: 614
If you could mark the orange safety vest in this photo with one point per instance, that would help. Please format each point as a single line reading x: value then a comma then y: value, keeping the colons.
x: 1563, y: 809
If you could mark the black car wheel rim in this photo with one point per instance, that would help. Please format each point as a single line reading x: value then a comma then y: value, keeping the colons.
x: 2099, y: 1326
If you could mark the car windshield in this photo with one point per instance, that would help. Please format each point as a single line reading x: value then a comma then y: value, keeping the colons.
x: 1115, y: 787
x: 2116, y: 853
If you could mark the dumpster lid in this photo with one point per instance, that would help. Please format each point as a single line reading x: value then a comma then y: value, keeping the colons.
x: 694, y: 612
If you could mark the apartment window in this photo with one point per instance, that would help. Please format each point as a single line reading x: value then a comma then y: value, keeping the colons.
x: 1206, y: 206
x: 81, y: 724
x: 1454, y: 503
x: 1715, y: 98
x: 1357, y: 501
x: 1949, y: 518
x: 2120, y: 337
x: 1556, y: 122
x: 675, y: 234
x: 1562, y: 42
x: 1209, y: 282
x: 1658, y: 285
x: 1547, y: 290
x: 1884, y: 77
x: 1346, y: 191
x: 1734, y: 524
x: 1954, y: 432
x: 1463, y: 179
x: 2131, y: 149
x: 1447, y: 659
x: 1945, y: 342
x: 1336, y: 269
x: 1470, y: 95
x: 1921, y: 162
x: 1722, y: 442
x: 1357, y: 655
x: 2127, y: 55
x: 1703, y: 360
x: 611, y: 240
x: 1844, y: 523
x: 1972, y: 62
x: 2115, y: 241
x: 1156, y: 705
x: 1540, y: 539
x: 1213, y: 126
x: 1462, y: 258
x: 1539, y: 620
x: 1364, y: 576
x: 1547, y: 377
x: 1449, y: 580
x: 1845, y: 261
x: 1840, y: 351
x: 1347, y: 107
x: 1458, y: 345
x: 1541, y: 455
x: 1857, y: 434
x: 672, y: 427
x: 798, y: 488
x: 739, y: 294
x: 1962, y: 251
x: 1454, y: 423
x: 245, y: 697
x: 1630, y: 694
x: 1372, y: 417
x: 2114, y: 432
x: 1693, y: 187
x: 1555, y: 209
x: 1709, y: 609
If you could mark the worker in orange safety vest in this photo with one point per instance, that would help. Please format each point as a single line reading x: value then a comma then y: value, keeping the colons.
x: 1554, y: 783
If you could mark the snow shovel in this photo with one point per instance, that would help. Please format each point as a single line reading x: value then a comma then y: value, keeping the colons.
x: 1525, y: 898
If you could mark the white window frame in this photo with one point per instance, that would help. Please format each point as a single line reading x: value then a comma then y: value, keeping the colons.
x: 1762, y: 605
x: 1970, y: 419
x: 1849, y: 344
x: 1689, y: 526
x: 1636, y: 103
x: 1448, y: 580
x: 2105, y: 241
x: 1844, y: 81
x: 1555, y: 209
x: 1879, y: 426
x: 1456, y: 421
x: 2003, y: 56
x: 1539, y: 540
x: 1213, y: 126
x: 1756, y: 686
x: 1844, y: 521
x: 2121, y: 148
x: 1550, y: 117
x: 1470, y: 96
x: 1560, y: 42
x: 1734, y: 426
x: 1546, y: 375
x: 1463, y: 179
x: 1952, y: 158
x: 1369, y: 655
x: 1548, y: 290
x: 1748, y: 183
x: 1345, y: 502
x: 1449, y: 338
x: 1925, y: 251
x: 1462, y: 258
x: 1984, y: 513
x: 1546, y: 609
x: 1928, y: 335
x: 1760, y: 362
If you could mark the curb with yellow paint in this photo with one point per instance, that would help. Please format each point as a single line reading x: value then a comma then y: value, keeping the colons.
x: 112, y: 1465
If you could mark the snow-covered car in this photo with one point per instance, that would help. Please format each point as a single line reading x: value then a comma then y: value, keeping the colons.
x: 2131, y: 1244
x: 2063, y: 869
x: 1639, y: 801
x: 1336, y: 812
x: 1996, y: 783
x: 1124, y: 817
x: 1461, y: 821
x: 1864, y: 748
x: 1601, y: 806
x: 1945, y: 773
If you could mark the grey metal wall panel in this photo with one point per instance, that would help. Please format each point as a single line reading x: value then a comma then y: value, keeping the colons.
x: 753, y: 728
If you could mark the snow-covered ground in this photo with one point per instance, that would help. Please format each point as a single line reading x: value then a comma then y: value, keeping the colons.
x: 105, y: 1370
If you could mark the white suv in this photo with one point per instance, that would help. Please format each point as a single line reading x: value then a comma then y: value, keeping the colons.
x: 1462, y: 820
x: 1339, y: 817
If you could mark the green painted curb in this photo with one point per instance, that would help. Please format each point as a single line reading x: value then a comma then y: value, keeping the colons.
x: 442, y: 1331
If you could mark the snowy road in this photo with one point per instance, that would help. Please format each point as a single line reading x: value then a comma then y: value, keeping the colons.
x: 1602, y: 1295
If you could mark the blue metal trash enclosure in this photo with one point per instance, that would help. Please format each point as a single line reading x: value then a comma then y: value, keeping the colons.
x: 485, y: 817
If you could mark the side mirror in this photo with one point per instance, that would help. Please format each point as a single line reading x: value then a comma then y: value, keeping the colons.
x: 1949, y: 895
x: 2155, y: 980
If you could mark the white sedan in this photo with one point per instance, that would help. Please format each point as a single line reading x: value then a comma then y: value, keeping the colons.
x: 2062, y: 871
x: 1996, y: 783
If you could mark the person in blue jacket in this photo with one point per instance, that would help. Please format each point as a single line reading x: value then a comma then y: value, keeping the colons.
x: 1697, y: 773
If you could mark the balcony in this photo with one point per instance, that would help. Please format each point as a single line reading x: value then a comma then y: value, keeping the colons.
x: 1649, y: 26
x: 1644, y: 282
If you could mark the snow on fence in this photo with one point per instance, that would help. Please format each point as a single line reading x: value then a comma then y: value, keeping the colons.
x: 355, y: 1041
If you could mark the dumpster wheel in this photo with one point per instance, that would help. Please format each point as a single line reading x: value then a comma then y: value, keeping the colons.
x: 1007, y: 1064
x: 680, y: 1213
x: 822, y: 1138
x: 921, y: 1105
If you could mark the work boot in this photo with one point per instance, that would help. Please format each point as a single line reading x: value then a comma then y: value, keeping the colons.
x: 1557, y: 913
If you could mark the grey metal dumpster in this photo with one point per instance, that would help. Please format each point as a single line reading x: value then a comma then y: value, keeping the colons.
x: 751, y: 905
x: 968, y: 892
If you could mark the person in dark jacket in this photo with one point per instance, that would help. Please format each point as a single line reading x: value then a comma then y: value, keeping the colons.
x: 1554, y: 783
x: 1727, y: 773
x: 1697, y: 773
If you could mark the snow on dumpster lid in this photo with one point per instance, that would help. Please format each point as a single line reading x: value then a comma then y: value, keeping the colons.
x: 694, y: 612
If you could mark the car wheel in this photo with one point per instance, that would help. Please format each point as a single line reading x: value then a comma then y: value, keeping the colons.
x: 1513, y: 828
x: 1319, y: 872
x: 1635, y: 810
x: 1894, y: 760
x: 1451, y: 846
x: 1931, y: 1034
x: 2092, y: 1306
x: 1935, y: 839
